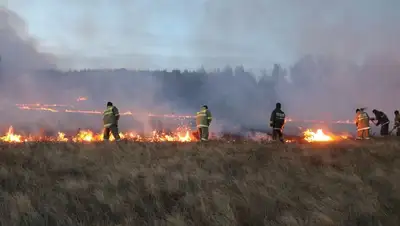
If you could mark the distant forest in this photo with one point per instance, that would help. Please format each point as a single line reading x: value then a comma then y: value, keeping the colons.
x: 315, y: 87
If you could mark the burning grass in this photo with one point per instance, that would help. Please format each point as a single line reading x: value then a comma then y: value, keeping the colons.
x: 218, y: 183
x: 320, y: 136
x: 181, y: 134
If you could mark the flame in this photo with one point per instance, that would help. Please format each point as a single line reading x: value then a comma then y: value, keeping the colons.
x: 319, y: 136
x: 43, y: 105
x: 37, y: 108
x: 83, y: 111
x: 81, y: 99
x: 185, y: 138
x: 156, y: 136
x: 71, y: 109
x: 11, y: 137
x: 61, y: 137
x: 171, y: 116
x: 182, y: 134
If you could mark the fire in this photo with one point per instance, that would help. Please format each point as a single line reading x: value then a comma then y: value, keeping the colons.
x: 181, y: 135
x: 38, y: 108
x: 61, y: 137
x: 43, y: 105
x: 72, y: 109
x: 81, y: 99
x: 83, y: 111
x: 86, y: 136
x: 319, y: 136
x: 11, y: 137
x: 185, y: 138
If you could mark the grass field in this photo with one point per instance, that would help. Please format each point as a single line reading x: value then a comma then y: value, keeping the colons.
x: 217, y: 183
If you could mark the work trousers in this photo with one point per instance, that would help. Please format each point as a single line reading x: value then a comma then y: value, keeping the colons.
x: 385, y: 130
x: 277, y: 134
x: 203, y: 133
x: 398, y: 132
x: 363, y: 134
x: 113, y: 129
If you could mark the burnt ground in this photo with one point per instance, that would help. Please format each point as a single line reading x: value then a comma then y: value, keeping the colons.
x: 218, y: 183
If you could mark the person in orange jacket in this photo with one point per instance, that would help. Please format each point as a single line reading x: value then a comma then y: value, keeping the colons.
x: 362, y: 123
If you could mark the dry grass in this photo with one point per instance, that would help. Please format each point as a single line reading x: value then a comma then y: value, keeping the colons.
x: 201, y: 184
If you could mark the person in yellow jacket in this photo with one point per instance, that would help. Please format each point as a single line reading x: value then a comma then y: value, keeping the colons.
x: 362, y: 123
x: 110, y: 122
x: 203, y: 121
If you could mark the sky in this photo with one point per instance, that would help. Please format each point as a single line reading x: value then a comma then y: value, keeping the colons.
x: 213, y: 33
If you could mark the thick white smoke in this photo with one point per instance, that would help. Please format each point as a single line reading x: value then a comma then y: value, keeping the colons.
x: 340, y: 55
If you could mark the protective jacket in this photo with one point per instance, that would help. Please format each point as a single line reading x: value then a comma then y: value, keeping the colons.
x: 397, y: 120
x: 362, y: 121
x: 203, y: 118
x: 110, y: 116
x: 381, y: 118
x: 277, y: 120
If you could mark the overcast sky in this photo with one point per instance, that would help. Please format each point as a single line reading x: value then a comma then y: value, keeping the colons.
x: 190, y: 33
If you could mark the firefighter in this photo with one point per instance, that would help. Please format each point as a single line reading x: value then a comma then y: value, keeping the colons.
x: 277, y: 122
x: 362, y: 123
x: 382, y: 120
x: 110, y: 121
x: 397, y: 122
x: 203, y: 121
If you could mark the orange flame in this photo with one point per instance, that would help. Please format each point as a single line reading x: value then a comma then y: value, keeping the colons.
x: 61, y: 137
x: 319, y: 136
x: 81, y: 99
x: 37, y: 109
x: 11, y: 137
x: 50, y: 107
x: 181, y: 135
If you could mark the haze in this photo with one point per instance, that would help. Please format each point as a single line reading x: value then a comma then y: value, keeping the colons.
x: 336, y: 56
x: 187, y: 34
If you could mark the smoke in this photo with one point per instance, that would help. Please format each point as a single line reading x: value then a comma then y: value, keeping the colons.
x: 18, y: 49
x: 187, y: 34
x: 339, y: 55
x: 30, y: 76
x: 19, y: 56
x: 284, y: 31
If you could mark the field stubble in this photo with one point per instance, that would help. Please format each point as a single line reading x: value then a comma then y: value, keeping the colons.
x: 217, y: 183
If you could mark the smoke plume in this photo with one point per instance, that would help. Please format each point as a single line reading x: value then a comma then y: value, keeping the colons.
x: 335, y: 57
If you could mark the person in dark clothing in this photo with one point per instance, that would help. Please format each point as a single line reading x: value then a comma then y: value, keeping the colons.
x: 277, y: 122
x: 397, y: 122
x: 382, y: 120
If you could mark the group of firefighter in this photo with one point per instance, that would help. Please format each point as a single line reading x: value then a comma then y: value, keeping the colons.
x: 362, y: 121
x: 277, y: 122
x: 363, y: 126
x: 111, y: 117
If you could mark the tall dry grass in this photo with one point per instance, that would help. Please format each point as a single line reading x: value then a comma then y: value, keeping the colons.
x: 200, y: 184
